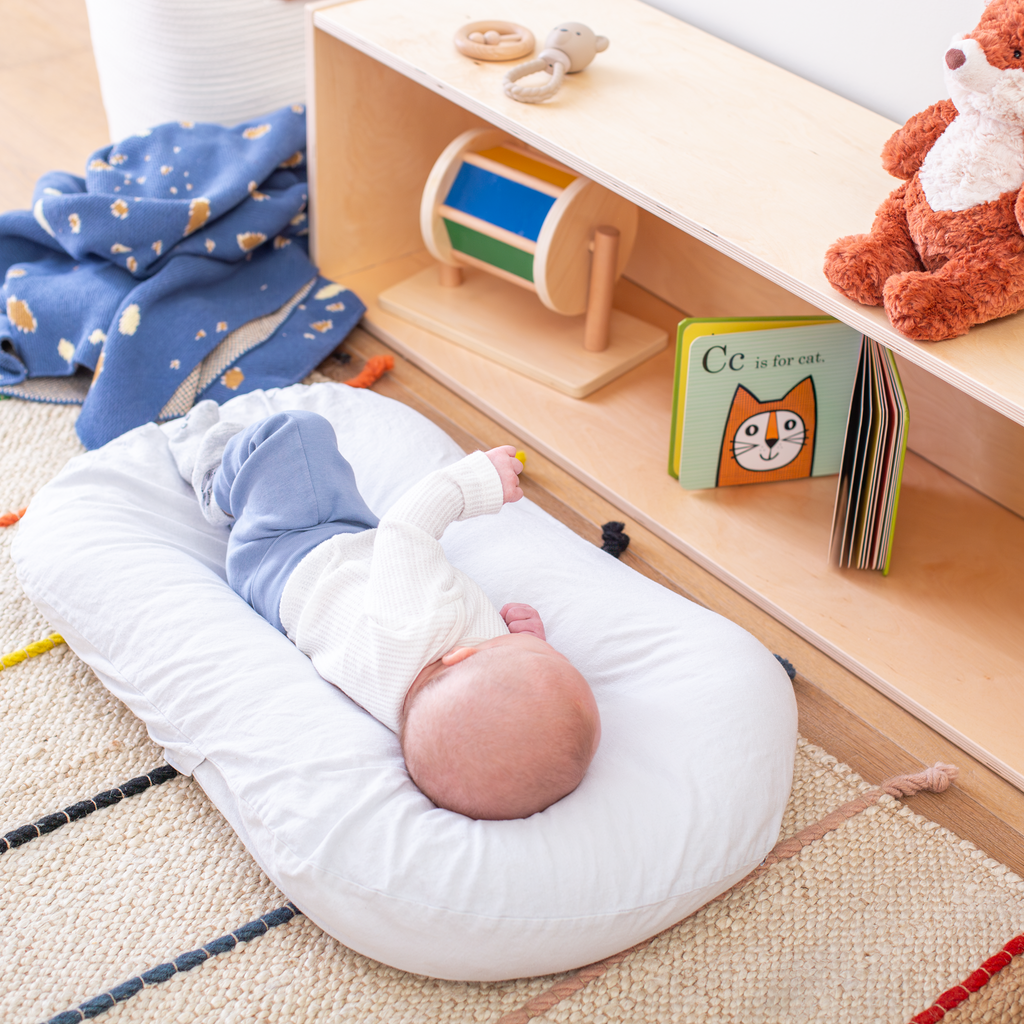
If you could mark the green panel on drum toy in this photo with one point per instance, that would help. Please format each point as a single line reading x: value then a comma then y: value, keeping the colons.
x: 490, y: 250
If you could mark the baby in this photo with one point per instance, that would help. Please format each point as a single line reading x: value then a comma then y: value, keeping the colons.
x: 493, y: 721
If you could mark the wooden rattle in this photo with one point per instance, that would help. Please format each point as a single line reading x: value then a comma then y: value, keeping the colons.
x: 569, y: 48
x: 494, y: 40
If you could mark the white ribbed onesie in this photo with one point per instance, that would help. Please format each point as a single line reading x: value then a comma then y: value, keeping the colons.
x: 372, y: 609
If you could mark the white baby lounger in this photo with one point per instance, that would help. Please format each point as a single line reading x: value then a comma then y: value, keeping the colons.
x: 684, y: 796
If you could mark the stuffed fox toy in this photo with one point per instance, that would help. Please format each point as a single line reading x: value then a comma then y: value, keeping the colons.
x: 946, y: 250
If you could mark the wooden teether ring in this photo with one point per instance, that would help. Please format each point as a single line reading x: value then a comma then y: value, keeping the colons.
x: 494, y: 40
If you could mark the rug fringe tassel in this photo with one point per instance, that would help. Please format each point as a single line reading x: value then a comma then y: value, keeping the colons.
x: 10, y: 518
x: 375, y: 368
x: 936, y: 779
x: 33, y: 650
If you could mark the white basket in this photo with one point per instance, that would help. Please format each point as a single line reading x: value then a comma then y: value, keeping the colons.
x: 196, y: 60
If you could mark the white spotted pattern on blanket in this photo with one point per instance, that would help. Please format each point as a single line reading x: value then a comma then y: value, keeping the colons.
x: 220, y: 197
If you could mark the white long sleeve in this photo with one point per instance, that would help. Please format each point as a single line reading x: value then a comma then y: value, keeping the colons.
x: 372, y: 609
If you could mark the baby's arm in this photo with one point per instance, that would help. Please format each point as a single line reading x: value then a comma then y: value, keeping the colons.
x: 521, y: 618
x: 409, y: 575
x: 463, y: 490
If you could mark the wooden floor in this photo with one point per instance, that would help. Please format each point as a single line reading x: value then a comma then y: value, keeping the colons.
x: 51, y: 116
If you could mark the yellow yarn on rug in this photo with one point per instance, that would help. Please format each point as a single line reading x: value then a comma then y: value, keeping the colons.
x: 33, y: 650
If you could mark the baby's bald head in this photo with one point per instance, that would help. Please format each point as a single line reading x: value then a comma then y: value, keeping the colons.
x: 504, y: 732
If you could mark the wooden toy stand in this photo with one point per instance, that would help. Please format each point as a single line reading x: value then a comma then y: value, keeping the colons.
x: 550, y: 232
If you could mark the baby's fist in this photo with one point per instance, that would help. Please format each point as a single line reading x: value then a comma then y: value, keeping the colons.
x: 504, y: 460
x: 521, y: 618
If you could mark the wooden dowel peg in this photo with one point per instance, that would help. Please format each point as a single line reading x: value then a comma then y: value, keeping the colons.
x: 602, y: 283
x: 451, y: 276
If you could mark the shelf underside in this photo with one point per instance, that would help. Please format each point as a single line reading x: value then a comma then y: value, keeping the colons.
x: 940, y: 635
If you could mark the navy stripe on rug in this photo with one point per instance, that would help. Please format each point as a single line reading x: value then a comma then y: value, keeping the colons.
x: 52, y: 822
x: 186, y: 962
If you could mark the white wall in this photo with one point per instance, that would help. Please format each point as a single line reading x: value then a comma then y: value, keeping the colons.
x: 884, y: 54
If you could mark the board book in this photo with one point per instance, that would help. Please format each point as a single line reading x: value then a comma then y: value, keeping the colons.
x: 760, y: 400
x: 873, y: 456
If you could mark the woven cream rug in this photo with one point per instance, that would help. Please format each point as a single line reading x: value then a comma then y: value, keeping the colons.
x: 876, y: 920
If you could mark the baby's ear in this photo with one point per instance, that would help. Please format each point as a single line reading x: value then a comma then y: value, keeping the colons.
x: 459, y: 654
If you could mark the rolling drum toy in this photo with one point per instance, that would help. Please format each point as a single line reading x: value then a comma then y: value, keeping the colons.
x: 491, y: 203
x: 500, y: 218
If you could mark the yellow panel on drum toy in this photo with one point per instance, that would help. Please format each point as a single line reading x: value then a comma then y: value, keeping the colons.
x: 500, y: 217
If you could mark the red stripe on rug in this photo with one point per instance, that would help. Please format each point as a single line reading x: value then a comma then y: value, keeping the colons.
x: 974, y: 982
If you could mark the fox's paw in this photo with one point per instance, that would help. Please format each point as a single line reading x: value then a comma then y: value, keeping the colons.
x: 928, y: 309
x: 859, y: 265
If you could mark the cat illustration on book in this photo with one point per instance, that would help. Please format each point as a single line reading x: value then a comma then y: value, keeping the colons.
x: 767, y: 441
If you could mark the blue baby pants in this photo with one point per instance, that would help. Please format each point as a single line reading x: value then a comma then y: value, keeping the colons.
x: 289, y: 489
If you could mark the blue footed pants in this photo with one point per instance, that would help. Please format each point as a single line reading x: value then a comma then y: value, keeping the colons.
x: 289, y: 489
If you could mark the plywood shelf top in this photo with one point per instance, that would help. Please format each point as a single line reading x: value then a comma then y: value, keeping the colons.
x: 758, y: 163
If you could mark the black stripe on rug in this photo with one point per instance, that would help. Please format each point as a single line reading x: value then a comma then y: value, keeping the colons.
x: 162, y: 972
x: 52, y: 822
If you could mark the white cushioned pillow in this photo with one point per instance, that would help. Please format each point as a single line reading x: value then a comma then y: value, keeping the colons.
x: 684, y: 796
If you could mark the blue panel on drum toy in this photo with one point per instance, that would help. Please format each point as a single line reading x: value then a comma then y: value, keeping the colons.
x: 499, y: 201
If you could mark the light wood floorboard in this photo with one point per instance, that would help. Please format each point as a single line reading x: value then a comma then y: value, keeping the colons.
x: 51, y: 112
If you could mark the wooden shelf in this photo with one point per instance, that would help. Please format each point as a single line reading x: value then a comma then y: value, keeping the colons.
x: 942, y: 635
x: 750, y: 159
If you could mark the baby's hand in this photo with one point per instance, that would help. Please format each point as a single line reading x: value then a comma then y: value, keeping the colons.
x: 521, y: 618
x: 509, y: 467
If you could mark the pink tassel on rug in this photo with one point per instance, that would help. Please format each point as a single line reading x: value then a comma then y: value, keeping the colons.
x: 935, y: 780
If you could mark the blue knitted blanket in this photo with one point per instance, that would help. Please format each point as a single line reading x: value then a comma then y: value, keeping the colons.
x: 177, y: 269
